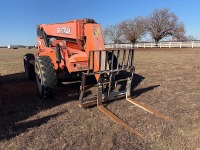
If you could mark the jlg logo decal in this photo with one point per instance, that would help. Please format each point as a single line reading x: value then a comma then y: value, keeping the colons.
x: 96, y: 31
x: 63, y: 30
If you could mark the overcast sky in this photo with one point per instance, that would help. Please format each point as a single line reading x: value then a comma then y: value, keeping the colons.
x: 19, y: 18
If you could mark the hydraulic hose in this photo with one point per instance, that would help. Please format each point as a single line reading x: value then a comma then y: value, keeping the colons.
x: 58, y: 54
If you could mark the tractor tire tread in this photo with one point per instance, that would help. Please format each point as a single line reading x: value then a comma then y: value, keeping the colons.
x: 48, y: 75
x: 29, y: 68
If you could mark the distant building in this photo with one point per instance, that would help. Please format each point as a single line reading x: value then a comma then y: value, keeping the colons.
x: 13, y: 46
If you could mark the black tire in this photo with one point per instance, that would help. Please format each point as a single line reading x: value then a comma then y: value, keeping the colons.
x: 45, y: 77
x: 110, y: 60
x: 29, y: 66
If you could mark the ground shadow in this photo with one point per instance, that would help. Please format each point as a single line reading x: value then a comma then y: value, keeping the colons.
x: 138, y: 92
x: 20, y: 100
x: 12, y: 131
x: 137, y: 79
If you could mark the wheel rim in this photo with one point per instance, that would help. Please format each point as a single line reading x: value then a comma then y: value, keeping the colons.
x: 38, y: 78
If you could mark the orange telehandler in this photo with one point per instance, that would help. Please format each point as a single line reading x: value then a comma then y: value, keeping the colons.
x: 75, y: 49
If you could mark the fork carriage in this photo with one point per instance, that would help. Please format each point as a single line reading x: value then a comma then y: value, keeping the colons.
x: 115, y: 75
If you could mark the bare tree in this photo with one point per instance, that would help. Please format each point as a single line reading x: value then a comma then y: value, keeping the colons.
x: 112, y: 33
x: 163, y: 23
x: 133, y: 29
x: 190, y: 38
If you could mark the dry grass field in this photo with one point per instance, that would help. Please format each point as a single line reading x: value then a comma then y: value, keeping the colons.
x: 168, y: 80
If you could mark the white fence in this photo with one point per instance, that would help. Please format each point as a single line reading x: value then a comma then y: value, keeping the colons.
x: 191, y: 44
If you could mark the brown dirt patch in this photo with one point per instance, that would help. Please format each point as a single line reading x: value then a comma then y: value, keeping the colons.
x: 170, y: 85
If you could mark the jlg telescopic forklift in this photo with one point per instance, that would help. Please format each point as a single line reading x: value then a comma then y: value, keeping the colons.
x: 76, y: 49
